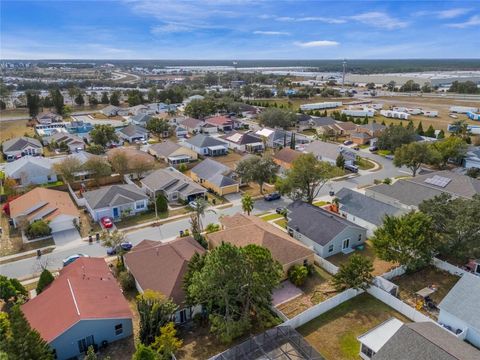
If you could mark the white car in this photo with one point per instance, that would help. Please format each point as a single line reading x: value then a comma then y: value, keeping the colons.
x: 72, y: 258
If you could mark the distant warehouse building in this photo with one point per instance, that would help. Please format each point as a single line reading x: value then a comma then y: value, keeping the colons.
x: 359, y: 112
x: 395, y: 114
x: 321, y: 106
x: 463, y: 109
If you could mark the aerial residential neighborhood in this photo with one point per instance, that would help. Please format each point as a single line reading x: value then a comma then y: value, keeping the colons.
x: 236, y: 180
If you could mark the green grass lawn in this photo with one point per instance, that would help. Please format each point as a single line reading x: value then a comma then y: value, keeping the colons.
x: 384, y: 152
x: 281, y: 222
x: 334, y: 334
x: 271, y: 217
x: 320, y: 203
x: 364, y: 164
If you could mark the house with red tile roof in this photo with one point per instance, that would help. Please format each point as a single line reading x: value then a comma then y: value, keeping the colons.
x: 83, y: 306
x: 223, y: 123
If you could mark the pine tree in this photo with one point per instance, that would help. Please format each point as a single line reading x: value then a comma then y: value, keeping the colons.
x: 430, y: 132
x: 104, y: 99
x: 46, y: 278
x: 441, y: 135
x: 292, y: 142
x: 420, y: 129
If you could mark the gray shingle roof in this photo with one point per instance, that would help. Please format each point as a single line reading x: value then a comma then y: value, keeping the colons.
x: 365, y: 207
x: 373, y: 127
x: 425, y: 341
x: 114, y: 195
x: 141, y: 118
x: 29, y: 165
x: 171, y: 180
x: 165, y: 148
x: 133, y: 130
x: 322, y: 121
x: 214, y: 172
x: 317, y: 224
x: 20, y: 143
x: 202, y: 140
x: 328, y: 151
x: 462, y: 301
x: 407, y: 193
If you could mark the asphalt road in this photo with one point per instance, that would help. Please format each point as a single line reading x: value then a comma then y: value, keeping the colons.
x: 168, y: 231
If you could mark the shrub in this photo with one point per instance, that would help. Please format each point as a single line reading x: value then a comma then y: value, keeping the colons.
x: 201, y: 240
x: 162, y: 204
x: 297, y: 274
x: 212, y: 228
x: 46, y: 278
x: 473, y: 172
x: 126, y: 281
x: 37, y: 229
x: 387, y: 181
x: 182, y: 168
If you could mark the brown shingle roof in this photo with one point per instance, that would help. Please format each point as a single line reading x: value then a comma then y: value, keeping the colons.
x: 39, y: 200
x: 243, y: 230
x: 287, y: 155
x: 161, y: 266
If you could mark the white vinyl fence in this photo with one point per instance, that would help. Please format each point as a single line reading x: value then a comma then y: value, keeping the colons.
x: 398, y: 271
x: 452, y: 269
x: 326, y: 265
x: 398, y: 305
x: 321, y: 308
x: 79, y: 201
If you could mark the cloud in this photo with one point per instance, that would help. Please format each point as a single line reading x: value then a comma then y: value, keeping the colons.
x: 379, y: 20
x: 473, y: 21
x: 171, y: 28
x: 322, y: 19
x: 452, y: 13
x: 272, y: 33
x: 317, y: 43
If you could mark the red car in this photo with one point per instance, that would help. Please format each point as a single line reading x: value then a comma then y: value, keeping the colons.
x: 106, y: 222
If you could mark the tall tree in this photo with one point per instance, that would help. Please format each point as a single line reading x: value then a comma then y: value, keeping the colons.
x: 115, y: 98
x: 410, y: 240
x: 413, y: 155
x: 46, y: 278
x: 155, y: 311
x: 306, y: 178
x: 152, y: 94
x: 247, y: 204
x: 67, y: 168
x: 199, y: 109
x: 33, y: 103
x: 430, y: 132
x: 103, y: 134
x: 159, y: 127
x: 104, y: 99
x: 395, y: 136
x: 98, y: 168
x: 452, y: 148
x: 274, y: 117
x: 256, y: 169
x: 113, y: 239
x: 340, y: 161
x: 120, y: 162
x: 454, y: 224
x: 419, y: 130
x: 354, y: 274
x: 57, y: 100
x: 167, y: 342
x: 79, y: 100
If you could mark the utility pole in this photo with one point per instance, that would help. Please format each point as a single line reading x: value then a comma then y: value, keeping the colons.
x: 344, y: 65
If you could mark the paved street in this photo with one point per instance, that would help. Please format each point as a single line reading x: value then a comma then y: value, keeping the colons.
x: 168, y: 231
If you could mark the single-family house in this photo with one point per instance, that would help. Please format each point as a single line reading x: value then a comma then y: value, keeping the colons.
x: 326, y: 232
x: 180, y: 131
x: 193, y: 97
x: 21, y: 146
x: 82, y: 157
x: 363, y: 210
x: 279, y: 138
x: 223, y: 123
x: 471, y: 160
x: 139, y: 109
x: 48, y: 117
x: 172, y: 184
x: 345, y: 128
x: 132, y: 133
x: 285, y: 158
x: 242, y: 230
x: 161, y: 266
x: 110, y: 110
x: 140, y: 119
x: 206, y: 145
x: 172, y: 153
x: 216, y: 177
x: 31, y: 170
x: 209, y: 129
x: 53, y: 206
x: 133, y: 157
x: 84, y: 306
x: 409, y: 193
x: 193, y: 126
x: 329, y: 152
x: 360, y: 138
x: 72, y: 142
x: 79, y: 127
x: 393, y: 340
x: 246, y: 142
x: 459, y: 310
x: 374, y: 130
x: 309, y: 122
x: 115, y: 201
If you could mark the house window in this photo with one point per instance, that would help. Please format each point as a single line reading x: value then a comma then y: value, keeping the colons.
x: 118, y: 329
x: 49, y: 178
x: 367, y: 351
x: 359, y: 237
x: 54, y: 353
x: 83, y: 344
x: 140, y: 205
x: 330, y: 248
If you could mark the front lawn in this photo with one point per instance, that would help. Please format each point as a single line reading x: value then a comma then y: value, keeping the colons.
x: 380, y: 266
x: 364, y: 164
x: 384, y: 152
x: 271, y: 217
x: 320, y: 203
x: 281, y: 222
x: 316, y: 289
x: 334, y: 333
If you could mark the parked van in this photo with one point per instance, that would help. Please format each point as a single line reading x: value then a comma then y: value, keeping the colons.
x: 352, y: 168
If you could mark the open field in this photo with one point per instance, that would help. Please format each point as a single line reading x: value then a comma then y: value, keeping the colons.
x: 380, y: 266
x: 11, y: 129
x: 334, y: 334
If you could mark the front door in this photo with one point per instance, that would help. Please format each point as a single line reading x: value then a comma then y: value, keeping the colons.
x: 115, y: 212
x: 346, y: 244
x: 84, y: 343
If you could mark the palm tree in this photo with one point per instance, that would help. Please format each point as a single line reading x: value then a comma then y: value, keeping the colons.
x: 247, y: 204
x: 199, y: 209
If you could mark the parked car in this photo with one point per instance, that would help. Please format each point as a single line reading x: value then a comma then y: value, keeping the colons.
x: 351, y: 168
x: 389, y: 157
x: 373, y: 148
x: 126, y: 246
x: 281, y: 210
x: 356, y: 148
x: 72, y: 258
x: 106, y: 222
x: 348, y: 142
x: 272, y: 196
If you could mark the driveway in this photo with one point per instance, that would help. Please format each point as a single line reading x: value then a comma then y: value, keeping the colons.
x: 66, y: 236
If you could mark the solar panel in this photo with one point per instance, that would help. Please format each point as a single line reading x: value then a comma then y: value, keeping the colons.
x: 439, y: 181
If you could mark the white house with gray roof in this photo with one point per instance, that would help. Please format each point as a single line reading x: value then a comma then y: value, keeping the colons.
x: 172, y: 184
x: 323, y: 231
x: 363, y: 210
x: 140, y: 119
x: 460, y: 309
x: 30, y: 170
x: 206, y: 145
x: 115, y: 201
x: 329, y: 152
x: 132, y: 133
x: 21, y: 146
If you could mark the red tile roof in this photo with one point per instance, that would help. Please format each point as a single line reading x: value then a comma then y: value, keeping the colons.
x: 85, y: 289
x: 219, y: 120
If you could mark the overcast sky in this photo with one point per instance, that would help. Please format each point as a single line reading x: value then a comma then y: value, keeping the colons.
x: 239, y: 29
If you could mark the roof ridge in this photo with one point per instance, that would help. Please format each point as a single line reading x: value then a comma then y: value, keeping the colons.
x: 431, y: 342
x: 73, y: 296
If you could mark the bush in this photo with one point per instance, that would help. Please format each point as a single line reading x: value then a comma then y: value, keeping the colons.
x: 95, y: 149
x: 162, y: 204
x: 387, y: 181
x: 182, y: 168
x: 201, y: 240
x: 473, y: 172
x: 37, y: 229
x: 46, y: 278
x: 297, y: 274
x: 212, y: 228
x: 126, y: 281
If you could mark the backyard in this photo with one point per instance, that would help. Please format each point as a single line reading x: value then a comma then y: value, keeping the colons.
x: 316, y: 289
x: 430, y: 276
x: 380, y: 266
x: 334, y: 333
x: 11, y: 129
